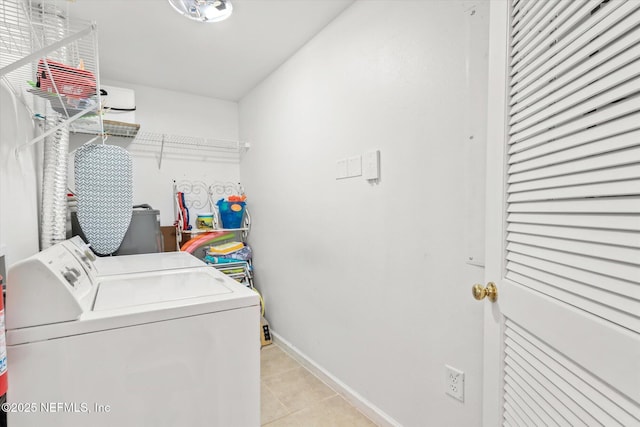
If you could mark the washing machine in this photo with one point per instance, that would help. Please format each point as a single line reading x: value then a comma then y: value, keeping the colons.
x: 174, y: 348
x: 127, y: 264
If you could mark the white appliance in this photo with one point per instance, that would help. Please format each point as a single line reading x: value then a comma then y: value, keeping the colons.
x: 112, y: 265
x: 175, y: 347
x: 119, y: 104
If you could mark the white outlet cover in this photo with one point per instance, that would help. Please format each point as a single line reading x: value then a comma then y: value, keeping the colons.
x: 454, y: 382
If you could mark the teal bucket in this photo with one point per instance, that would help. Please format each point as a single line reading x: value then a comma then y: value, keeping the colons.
x: 231, y: 213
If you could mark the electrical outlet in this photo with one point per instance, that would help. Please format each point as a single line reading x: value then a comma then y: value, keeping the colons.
x: 454, y: 382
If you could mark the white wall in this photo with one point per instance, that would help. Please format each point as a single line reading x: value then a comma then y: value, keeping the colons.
x: 18, y: 184
x: 180, y: 114
x: 166, y: 111
x: 369, y: 281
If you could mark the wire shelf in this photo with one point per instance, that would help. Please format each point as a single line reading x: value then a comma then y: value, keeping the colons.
x: 50, y: 62
x: 111, y: 127
x: 201, y: 195
x: 240, y: 271
x: 162, y: 145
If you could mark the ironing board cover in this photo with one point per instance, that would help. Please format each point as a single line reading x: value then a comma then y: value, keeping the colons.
x: 104, y: 187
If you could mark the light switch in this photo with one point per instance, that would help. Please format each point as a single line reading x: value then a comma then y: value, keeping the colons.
x: 354, y: 166
x: 341, y: 169
x: 371, y: 165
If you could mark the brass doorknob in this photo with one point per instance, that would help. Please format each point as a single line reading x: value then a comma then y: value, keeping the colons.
x: 490, y: 291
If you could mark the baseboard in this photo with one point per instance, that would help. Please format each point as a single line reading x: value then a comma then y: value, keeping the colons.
x: 362, y: 404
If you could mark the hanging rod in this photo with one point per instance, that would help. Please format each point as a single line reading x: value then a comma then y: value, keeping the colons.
x: 164, y: 145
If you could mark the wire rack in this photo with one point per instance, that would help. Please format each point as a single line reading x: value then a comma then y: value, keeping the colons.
x: 200, y: 195
x: 50, y: 62
x: 162, y: 145
x: 110, y: 127
x: 241, y: 271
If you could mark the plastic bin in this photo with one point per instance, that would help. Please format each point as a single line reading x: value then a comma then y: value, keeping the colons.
x: 143, y: 235
x: 231, y: 213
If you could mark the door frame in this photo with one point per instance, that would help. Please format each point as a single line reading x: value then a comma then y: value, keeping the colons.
x: 492, y: 396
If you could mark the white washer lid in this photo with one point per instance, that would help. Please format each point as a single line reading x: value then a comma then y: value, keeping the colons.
x: 127, y: 264
x: 119, y: 304
x: 170, y: 285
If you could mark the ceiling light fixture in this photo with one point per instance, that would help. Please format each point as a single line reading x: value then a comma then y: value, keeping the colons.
x: 203, y: 10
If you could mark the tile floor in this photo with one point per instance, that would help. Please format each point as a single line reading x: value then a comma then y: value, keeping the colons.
x: 293, y: 396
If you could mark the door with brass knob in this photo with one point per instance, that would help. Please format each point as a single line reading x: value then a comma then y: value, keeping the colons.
x: 563, y: 342
x: 490, y: 291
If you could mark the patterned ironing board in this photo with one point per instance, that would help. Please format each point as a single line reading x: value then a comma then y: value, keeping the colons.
x: 104, y: 188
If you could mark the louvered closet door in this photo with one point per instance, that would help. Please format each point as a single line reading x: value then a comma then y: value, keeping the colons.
x: 563, y: 340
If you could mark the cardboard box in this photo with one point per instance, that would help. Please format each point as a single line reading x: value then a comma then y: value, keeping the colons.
x: 169, y: 236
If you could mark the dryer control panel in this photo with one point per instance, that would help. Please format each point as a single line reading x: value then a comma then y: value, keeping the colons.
x: 49, y: 287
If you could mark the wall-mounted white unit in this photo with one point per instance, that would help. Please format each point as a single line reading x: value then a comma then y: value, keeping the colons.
x: 118, y: 104
x: 118, y: 110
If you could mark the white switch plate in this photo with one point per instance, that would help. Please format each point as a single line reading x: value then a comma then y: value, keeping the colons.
x: 371, y: 165
x: 354, y: 166
x: 341, y: 169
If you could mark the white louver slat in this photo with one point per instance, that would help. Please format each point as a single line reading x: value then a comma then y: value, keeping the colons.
x: 517, y: 5
x: 593, y: 264
x: 609, y: 130
x: 531, y: 33
x: 534, y: 31
x: 591, y: 278
x: 607, y: 237
x: 596, y: 221
x: 573, y: 184
x: 556, y: 388
x: 585, y: 121
x: 531, y: 14
x: 614, y: 205
x: 623, y: 49
x: 626, y: 172
x: 594, y: 159
x: 586, y: 91
x: 561, y: 24
x: 568, y: 45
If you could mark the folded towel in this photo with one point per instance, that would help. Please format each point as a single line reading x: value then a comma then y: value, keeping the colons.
x: 225, y: 248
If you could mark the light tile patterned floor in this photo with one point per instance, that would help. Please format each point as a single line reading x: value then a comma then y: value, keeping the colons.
x: 292, y: 396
